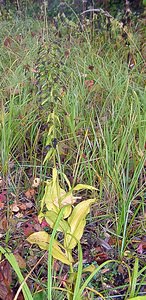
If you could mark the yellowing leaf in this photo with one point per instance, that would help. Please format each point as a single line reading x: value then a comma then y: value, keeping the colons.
x: 42, y: 239
x: 77, y: 223
x: 55, y: 197
x: 84, y: 187
x: 64, y: 198
x: 48, y: 198
x: 40, y: 217
x: 90, y: 269
x: 67, y: 181
x: 138, y: 298
x: 67, y: 211
x: 49, y: 133
x: 51, y: 218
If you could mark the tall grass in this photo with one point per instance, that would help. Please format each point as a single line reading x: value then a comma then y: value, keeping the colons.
x: 101, y: 138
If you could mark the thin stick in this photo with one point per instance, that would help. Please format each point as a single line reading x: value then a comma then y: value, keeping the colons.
x: 98, y: 10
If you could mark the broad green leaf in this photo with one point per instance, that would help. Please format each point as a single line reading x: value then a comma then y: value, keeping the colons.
x: 42, y: 239
x: 84, y: 187
x: 77, y: 223
x: 51, y: 218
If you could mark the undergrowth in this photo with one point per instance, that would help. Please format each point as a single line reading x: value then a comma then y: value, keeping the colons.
x: 84, y: 79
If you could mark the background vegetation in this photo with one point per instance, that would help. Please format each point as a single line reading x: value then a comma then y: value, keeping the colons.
x: 73, y: 97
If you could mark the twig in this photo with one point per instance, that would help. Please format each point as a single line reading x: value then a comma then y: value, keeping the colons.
x: 98, y: 10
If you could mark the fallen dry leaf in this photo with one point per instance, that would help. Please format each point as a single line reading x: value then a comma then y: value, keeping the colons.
x: 30, y: 193
x: 141, y: 248
x: 22, y: 206
x: 36, y: 182
x: 14, y: 207
x: 8, y: 41
x: 3, y: 196
x: 1, y: 181
x: 19, y: 215
x: 34, y: 70
x: 89, y: 84
x: 28, y: 229
x: 67, y: 53
x: 20, y: 260
x: 5, y: 281
x: 3, y: 222
x: 1, y: 205
x: 91, y: 68
x: 33, y: 33
x: 29, y: 204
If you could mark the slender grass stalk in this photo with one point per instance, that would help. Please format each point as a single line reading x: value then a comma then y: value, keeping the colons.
x: 22, y: 284
x: 92, y: 275
x: 12, y: 260
x: 79, y: 272
x: 134, y: 278
x: 49, y: 282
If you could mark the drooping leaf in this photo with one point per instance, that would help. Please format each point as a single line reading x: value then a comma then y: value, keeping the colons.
x: 84, y: 187
x: 51, y: 218
x: 77, y: 223
x: 42, y: 239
